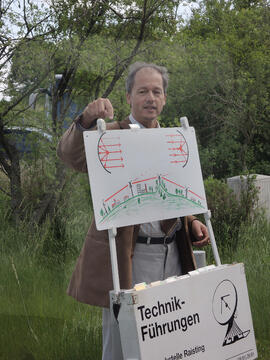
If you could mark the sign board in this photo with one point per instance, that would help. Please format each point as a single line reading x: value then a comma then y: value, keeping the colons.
x: 203, y: 315
x: 143, y: 175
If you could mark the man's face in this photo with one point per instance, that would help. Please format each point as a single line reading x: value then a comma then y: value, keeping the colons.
x: 147, y: 96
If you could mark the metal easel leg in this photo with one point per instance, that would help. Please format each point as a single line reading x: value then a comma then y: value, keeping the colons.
x: 114, y: 326
x: 115, y: 274
x: 109, y: 317
x: 207, y: 217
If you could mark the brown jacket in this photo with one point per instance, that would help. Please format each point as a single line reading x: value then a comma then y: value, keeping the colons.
x: 91, y: 280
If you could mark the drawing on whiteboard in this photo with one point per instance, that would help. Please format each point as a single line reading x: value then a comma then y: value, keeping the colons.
x: 225, y: 301
x: 138, y: 194
x: 109, y: 152
x: 143, y: 175
x: 178, y: 148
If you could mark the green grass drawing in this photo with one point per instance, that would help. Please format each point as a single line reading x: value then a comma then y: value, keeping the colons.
x: 161, y: 193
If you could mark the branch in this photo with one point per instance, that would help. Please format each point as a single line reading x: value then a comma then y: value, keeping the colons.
x: 116, y: 12
x: 4, y: 11
x: 4, y: 164
x: 118, y: 73
x: 226, y: 101
x: 7, y: 56
x: 3, y: 169
x: 18, y: 112
x: 5, y: 192
x: 27, y: 93
x: 122, y: 17
x: 25, y: 18
x: 30, y: 29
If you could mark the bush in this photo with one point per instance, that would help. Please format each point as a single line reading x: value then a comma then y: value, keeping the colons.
x: 254, y: 251
x: 228, y: 212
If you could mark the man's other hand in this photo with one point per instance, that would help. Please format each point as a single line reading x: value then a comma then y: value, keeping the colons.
x: 200, y: 232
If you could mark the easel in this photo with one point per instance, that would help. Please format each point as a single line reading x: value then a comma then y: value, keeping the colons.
x: 204, y: 314
x: 101, y: 126
x: 113, y: 231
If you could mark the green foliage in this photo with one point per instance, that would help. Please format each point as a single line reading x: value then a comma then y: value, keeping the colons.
x: 221, y: 157
x: 38, y: 319
x: 219, y: 78
x: 79, y: 337
x: 55, y: 241
x: 219, y: 70
x: 254, y: 251
x: 227, y: 212
x: 90, y: 44
x: 30, y: 65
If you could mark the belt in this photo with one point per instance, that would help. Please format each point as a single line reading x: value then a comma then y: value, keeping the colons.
x: 155, y: 241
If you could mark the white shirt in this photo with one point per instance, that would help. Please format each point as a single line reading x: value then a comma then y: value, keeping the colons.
x: 151, y: 229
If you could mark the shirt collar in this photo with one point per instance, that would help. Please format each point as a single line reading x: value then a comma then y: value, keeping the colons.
x: 134, y: 121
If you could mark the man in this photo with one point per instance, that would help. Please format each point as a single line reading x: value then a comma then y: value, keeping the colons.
x: 143, y: 255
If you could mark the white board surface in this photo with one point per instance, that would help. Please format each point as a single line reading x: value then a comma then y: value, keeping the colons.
x: 142, y: 175
x: 205, y: 316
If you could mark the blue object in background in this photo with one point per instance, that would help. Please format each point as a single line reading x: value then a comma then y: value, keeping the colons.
x: 26, y: 139
x: 23, y: 142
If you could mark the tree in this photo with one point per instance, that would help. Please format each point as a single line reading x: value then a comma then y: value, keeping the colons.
x: 69, y: 32
x: 30, y: 25
x: 220, y: 69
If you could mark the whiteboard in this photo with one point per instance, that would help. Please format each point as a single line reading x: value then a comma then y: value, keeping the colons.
x: 143, y: 175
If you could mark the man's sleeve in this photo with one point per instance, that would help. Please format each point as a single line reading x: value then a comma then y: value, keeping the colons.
x: 70, y: 148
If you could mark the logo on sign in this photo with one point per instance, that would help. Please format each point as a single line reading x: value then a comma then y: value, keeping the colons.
x: 224, y: 306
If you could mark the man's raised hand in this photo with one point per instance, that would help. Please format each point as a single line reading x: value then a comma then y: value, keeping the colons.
x: 100, y: 108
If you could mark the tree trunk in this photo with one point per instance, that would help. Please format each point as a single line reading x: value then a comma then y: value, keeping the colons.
x: 16, y: 188
x: 48, y: 206
x: 10, y: 162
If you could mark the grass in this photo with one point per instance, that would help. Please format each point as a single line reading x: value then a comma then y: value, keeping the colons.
x: 254, y: 251
x: 39, y: 321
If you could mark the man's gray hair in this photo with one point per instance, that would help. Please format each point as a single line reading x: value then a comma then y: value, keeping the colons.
x: 134, y: 68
